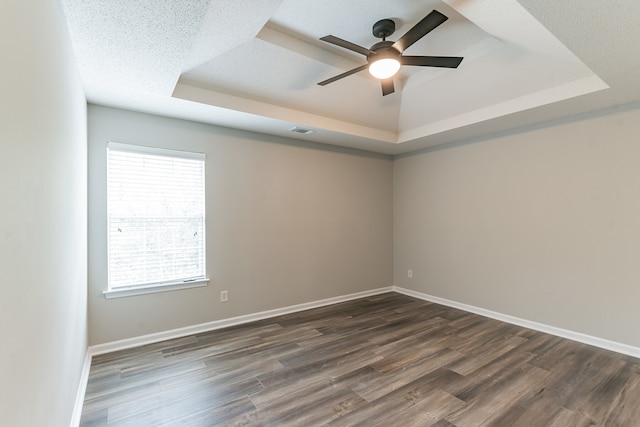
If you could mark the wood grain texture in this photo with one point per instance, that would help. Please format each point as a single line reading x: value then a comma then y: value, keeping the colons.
x: 385, y: 360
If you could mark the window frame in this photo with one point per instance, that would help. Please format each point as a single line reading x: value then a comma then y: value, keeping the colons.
x: 163, y: 286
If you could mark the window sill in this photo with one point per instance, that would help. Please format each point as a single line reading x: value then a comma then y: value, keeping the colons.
x: 151, y: 289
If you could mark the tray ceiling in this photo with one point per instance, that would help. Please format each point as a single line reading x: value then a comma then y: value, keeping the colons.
x: 255, y: 65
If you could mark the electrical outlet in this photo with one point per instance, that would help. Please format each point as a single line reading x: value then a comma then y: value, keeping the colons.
x: 410, y: 273
x: 224, y: 296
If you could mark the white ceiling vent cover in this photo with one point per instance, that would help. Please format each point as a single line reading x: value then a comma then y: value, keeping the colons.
x: 303, y: 131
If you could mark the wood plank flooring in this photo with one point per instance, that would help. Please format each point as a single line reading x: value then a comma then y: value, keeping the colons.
x: 386, y: 360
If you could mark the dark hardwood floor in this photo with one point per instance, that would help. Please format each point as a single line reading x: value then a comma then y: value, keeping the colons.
x: 386, y: 360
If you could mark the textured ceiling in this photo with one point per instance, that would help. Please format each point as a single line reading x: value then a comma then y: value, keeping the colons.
x: 254, y: 65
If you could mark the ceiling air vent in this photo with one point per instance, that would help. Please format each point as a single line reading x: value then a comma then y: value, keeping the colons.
x: 304, y: 131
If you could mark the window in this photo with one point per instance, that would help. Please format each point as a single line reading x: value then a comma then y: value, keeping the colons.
x: 156, y: 219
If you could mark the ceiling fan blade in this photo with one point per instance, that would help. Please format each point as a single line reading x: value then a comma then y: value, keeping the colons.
x: 432, y: 61
x: 428, y: 23
x: 347, y: 45
x: 345, y: 74
x: 387, y: 86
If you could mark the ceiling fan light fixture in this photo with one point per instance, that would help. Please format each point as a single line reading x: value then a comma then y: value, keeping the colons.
x: 384, y: 68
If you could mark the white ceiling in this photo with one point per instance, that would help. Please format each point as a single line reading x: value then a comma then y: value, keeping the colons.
x: 254, y: 65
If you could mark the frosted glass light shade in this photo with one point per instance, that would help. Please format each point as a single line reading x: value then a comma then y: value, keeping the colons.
x: 384, y: 68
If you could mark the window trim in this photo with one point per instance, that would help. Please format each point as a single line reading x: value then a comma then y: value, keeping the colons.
x: 129, y: 148
x: 128, y: 291
x: 150, y: 288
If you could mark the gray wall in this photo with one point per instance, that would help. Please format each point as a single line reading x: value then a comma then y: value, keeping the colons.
x: 542, y: 224
x: 43, y: 220
x: 287, y: 223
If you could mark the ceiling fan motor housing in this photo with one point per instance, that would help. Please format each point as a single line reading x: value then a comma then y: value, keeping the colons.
x: 383, y: 49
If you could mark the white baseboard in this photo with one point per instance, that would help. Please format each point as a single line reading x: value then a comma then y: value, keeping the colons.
x: 82, y: 388
x: 224, y: 323
x: 564, y: 333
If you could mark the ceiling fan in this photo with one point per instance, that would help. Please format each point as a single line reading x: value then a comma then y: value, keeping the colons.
x: 385, y: 58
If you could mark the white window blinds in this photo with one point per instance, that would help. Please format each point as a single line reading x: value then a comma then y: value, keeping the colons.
x: 156, y: 216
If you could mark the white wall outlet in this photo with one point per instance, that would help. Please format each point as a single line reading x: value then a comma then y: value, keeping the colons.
x: 410, y: 273
x: 224, y: 296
